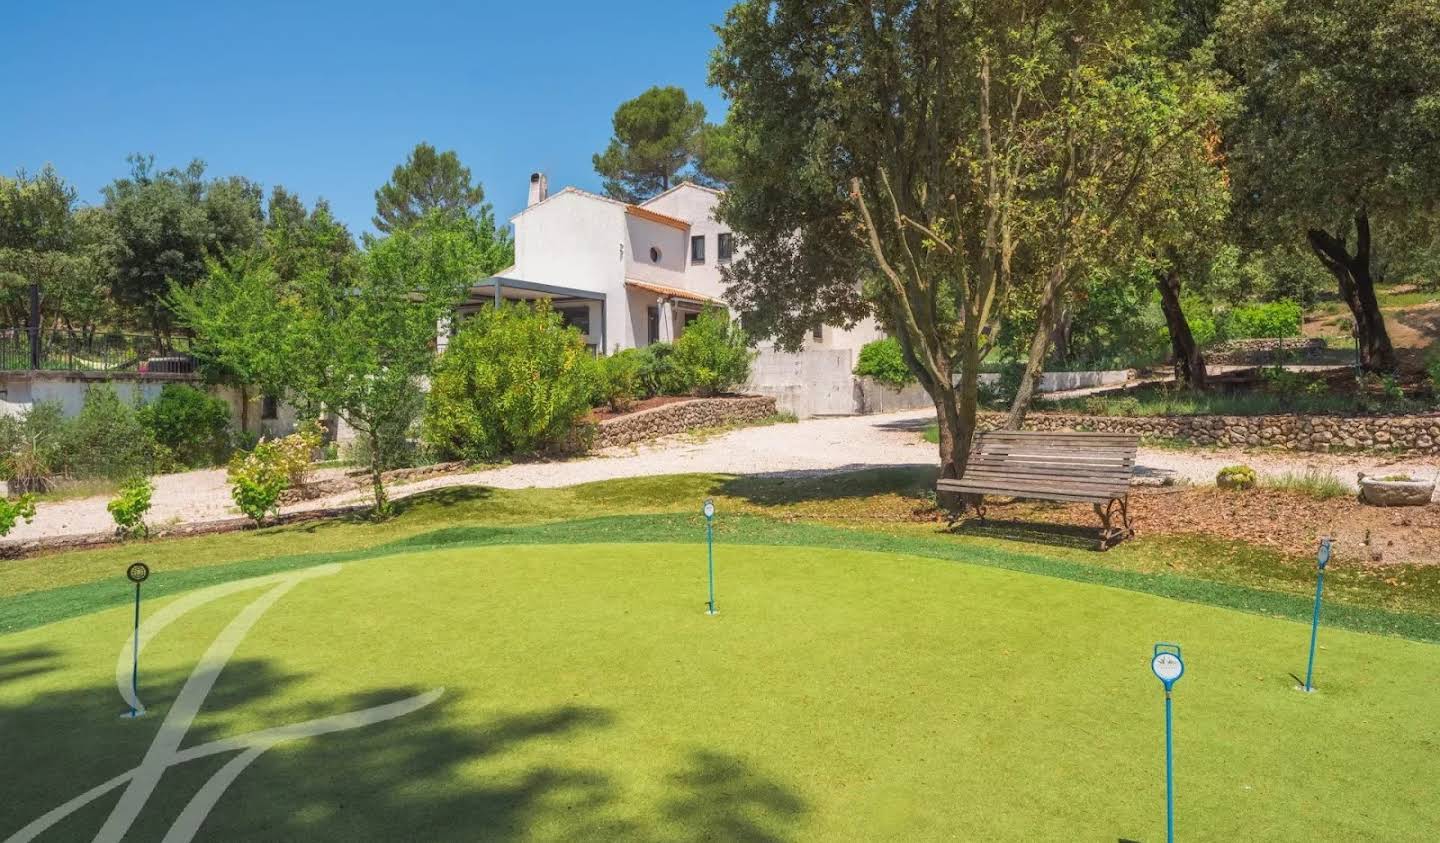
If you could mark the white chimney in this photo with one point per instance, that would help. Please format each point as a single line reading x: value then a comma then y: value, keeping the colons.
x: 539, y: 190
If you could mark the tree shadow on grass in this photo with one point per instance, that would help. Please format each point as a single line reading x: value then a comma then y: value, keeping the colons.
x: 431, y: 774
x: 31, y: 661
x: 720, y: 797
x: 448, y: 496
x: 847, y: 482
x: 1030, y: 527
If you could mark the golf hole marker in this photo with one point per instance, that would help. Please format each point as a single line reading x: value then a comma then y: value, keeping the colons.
x: 136, y: 573
x: 1322, y: 558
x: 1168, y: 666
x: 708, y: 510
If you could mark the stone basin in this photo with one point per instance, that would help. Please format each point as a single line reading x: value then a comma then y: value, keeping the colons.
x: 1378, y: 492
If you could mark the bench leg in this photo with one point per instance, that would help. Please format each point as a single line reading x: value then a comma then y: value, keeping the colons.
x: 977, y: 501
x: 1114, y: 522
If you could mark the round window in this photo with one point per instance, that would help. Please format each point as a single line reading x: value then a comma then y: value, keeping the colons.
x: 654, y: 254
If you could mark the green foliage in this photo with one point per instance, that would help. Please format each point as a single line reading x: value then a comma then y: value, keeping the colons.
x: 192, y: 424
x: 618, y: 379
x: 1262, y: 320
x: 258, y: 478
x: 713, y: 354
x: 170, y: 224
x: 107, y: 438
x: 656, y: 136
x: 129, y: 507
x: 1239, y: 477
x: 427, y: 182
x: 359, y: 347
x: 883, y: 360
x: 13, y: 510
x: 1203, y: 326
x: 658, y: 374
x: 33, y: 445
x: 1321, y: 485
x: 1432, y: 368
x: 513, y: 380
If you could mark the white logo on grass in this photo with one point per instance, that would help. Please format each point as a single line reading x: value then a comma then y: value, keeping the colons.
x: 165, y: 749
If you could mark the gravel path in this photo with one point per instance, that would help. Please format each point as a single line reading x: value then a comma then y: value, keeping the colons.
x: 814, y: 445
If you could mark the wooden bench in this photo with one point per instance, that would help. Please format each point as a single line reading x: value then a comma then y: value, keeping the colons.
x: 1092, y: 468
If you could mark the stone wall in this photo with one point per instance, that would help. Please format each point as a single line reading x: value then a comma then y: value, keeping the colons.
x: 1404, y: 434
x: 680, y: 417
x: 1265, y: 351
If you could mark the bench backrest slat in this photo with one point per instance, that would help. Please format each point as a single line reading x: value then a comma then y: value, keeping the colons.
x: 1056, y: 466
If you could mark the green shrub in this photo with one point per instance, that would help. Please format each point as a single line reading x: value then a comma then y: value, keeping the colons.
x: 190, y: 423
x: 129, y: 507
x: 618, y: 379
x: 13, y: 510
x: 1320, y: 485
x: 107, y: 439
x: 658, y: 375
x: 293, y: 454
x: 1202, y: 327
x: 513, y: 380
x: 1263, y: 320
x: 1236, y: 477
x: 713, y: 355
x: 883, y: 361
x: 1432, y: 368
x: 32, y: 445
x: 257, y: 479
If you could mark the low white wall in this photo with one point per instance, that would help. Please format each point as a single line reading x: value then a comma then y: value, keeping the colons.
x: 817, y: 382
x: 19, y: 391
x: 821, y: 382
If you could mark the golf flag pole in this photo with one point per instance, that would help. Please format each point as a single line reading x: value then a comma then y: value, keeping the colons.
x: 1321, y: 560
x: 136, y: 573
x: 709, y: 511
x: 1168, y: 667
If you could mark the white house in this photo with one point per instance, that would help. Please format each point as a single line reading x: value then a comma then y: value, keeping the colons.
x: 626, y: 275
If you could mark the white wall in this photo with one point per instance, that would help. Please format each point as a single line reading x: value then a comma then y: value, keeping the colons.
x: 696, y: 205
x: 21, y: 391
x: 576, y: 240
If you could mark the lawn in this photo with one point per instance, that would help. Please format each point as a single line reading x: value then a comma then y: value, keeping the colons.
x: 840, y: 693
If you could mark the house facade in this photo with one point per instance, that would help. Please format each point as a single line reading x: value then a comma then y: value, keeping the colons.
x: 625, y: 274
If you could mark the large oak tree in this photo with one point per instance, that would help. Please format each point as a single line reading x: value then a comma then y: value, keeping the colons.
x: 1340, y: 132
x: 934, y: 162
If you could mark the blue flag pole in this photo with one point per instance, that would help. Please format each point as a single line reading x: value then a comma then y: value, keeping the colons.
x: 1320, y: 561
x: 709, y: 512
x: 1168, y: 667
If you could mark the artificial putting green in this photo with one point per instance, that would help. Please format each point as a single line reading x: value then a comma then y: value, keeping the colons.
x: 839, y: 694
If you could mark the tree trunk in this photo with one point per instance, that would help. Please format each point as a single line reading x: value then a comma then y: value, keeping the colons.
x: 244, y: 409
x: 1357, y: 287
x: 382, y: 504
x: 1189, y: 361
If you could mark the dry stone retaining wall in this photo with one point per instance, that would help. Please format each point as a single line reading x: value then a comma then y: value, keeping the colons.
x: 1260, y: 351
x: 1404, y: 434
x: 680, y: 417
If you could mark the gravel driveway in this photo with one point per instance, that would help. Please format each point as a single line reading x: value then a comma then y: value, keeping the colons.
x: 821, y: 444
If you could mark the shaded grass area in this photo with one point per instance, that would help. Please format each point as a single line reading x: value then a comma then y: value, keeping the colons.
x: 838, y: 695
x: 1133, y: 571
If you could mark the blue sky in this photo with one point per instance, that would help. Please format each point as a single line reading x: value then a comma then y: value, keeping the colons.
x: 327, y: 97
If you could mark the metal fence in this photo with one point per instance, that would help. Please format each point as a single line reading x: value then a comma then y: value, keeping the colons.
x: 28, y: 349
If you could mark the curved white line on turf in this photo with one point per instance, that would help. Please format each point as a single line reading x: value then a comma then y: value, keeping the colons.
x: 261, y: 740
x: 173, y: 611
x: 165, y: 752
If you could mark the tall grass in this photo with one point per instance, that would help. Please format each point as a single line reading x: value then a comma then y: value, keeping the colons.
x: 1320, y: 485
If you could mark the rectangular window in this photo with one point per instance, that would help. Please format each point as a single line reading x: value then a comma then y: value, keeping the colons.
x: 724, y: 247
x: 578, y: 317
x: 818, y: 332
x: 652, y: 322
x: 269, y: 408
x: 697, y: 249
